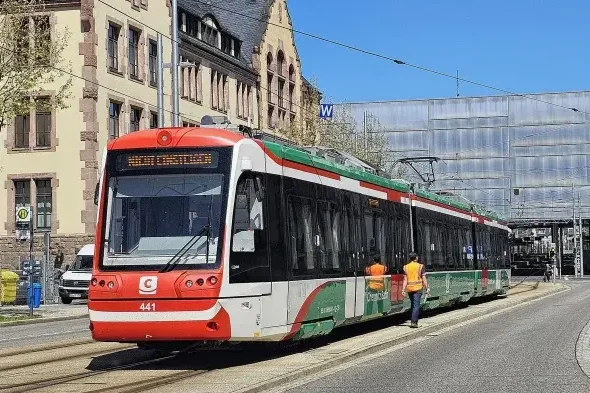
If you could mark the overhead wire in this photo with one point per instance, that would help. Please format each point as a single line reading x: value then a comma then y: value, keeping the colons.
x: 386, y: 57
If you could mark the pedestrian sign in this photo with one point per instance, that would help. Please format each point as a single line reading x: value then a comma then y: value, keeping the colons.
x: 23, y: 214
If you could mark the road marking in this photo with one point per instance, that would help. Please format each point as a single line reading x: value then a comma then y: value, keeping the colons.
x: 43, y: 335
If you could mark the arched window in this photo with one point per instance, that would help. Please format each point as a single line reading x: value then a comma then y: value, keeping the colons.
x: 210, y: 31
x: 269, y: 61
x: 280, y: 63
x: 292, y: 73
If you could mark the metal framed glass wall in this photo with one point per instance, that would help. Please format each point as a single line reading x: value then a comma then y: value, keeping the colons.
x: 514, y: 154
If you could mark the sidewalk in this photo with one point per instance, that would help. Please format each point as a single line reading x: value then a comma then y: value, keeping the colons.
x: 17, y: 315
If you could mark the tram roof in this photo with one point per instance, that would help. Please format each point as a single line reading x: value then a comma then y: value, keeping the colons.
x: 183, y: 137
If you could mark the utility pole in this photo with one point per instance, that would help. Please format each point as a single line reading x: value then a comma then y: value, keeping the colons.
x: 365, y: 129
x: 574, y: 224
x: 581, y: 236
x: 175, y: 60
x: 160, y: 82
x: 31, y: 250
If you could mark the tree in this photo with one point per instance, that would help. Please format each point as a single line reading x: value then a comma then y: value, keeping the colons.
x: 344, y: 134
x: 31, y: 60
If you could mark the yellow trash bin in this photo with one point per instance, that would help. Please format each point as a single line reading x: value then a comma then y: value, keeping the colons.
x: 8, y: 287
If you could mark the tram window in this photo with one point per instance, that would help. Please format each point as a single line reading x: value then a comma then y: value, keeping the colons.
x: 249, y: 260
x: 301, y: 240
x: 380, y: 236
x: 347, y: 241
x: 248, y: 214
x: 327, y: 225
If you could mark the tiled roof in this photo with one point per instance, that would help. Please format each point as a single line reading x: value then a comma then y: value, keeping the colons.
x: 231, y: 15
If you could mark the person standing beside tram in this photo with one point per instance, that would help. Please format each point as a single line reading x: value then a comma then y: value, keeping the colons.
x: 414, y: 284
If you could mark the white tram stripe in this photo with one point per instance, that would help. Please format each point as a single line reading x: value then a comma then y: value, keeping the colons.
x: 153, y: 316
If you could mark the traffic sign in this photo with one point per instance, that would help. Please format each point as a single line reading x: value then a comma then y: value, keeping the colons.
x: 326, y: 111
x: 23, y: 214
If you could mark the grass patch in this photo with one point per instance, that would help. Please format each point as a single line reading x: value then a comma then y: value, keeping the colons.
x: 13, y: 318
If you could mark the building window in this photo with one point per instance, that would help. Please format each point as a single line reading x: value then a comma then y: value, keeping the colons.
x: 291, y: 97
x: 153, y: 120
x: 134, y: 53
x: 113, y: 47
x: 270, y: 113
x: 22, y: 193
x: 209, y: 34
x: 281, y: 93
x: 114, y: 114
x: 281, y: 119
x: 43, y: 203
x: 269, y: 88
x: 42, y: 39
x: 226, y: 44
x: 190, y: 81
x: 43, y: 122
x: 134, y: 119
x: 219, y: 91
x: 22, y: 124
x: 291, y: 73
x: 280, y: 63
x: 153, y: 63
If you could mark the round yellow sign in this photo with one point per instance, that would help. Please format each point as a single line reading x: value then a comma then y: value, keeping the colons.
x: 22, y: 213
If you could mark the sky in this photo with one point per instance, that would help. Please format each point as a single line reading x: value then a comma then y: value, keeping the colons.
x: 523, y: 46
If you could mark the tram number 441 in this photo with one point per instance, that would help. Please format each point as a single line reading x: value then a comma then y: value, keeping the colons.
x: 148, y: 307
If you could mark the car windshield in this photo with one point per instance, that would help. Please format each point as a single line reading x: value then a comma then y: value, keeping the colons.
x: 82, y: 262
x: 151, y: 218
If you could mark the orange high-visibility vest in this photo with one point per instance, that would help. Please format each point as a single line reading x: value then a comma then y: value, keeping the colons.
x: 414, y: 272
x: 376, y: 284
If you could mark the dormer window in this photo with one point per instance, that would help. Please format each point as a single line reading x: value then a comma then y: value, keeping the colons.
x: 209, y: 32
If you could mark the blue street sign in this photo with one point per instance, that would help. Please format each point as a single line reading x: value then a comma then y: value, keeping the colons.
x: 326, y: 111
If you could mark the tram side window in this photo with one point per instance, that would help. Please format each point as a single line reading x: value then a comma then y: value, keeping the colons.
x: 301, y: 245
x: 328, y: 222
x: 428, y: 244
x: 346, y: 236
x: 249, y: 258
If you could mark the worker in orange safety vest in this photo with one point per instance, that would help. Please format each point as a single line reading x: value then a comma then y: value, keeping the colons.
x: 414, y: 284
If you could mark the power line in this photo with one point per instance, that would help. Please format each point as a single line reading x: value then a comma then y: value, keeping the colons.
x: 98, y: 84
x: 388, y: 58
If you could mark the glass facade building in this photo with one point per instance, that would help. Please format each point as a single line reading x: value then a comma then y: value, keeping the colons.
x: 517, y: 155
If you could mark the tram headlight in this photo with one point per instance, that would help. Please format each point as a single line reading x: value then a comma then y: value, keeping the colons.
x: 200, y: 281
x: 212, y: 280
x: 101, y: 283
x: 189, y: 283
x: 94, y: 282
x: 111, y: 284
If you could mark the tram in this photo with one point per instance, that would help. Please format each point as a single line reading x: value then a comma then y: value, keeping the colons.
x: 206, y: 234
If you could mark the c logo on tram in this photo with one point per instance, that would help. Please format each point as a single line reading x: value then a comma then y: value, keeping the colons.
x: 148, y: 285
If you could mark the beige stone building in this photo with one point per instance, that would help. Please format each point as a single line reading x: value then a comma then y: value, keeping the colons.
x: 242, y: 67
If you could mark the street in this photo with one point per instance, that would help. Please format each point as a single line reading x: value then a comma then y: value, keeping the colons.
x: 529, y: 349
x: 43, y: 333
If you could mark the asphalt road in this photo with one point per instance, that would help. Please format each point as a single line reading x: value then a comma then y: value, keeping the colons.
x: 43, y: 333
x: 529, y: 349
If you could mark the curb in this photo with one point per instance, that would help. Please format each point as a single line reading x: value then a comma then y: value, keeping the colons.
x: 41, y: 320
x: 371, y: 349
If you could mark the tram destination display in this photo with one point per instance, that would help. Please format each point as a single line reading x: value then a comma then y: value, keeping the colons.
x: 159, y: 159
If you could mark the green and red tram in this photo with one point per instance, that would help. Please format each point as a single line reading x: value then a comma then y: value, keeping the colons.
x: 207, y: 234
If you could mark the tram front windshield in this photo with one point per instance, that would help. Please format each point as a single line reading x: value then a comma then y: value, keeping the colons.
x: 155, y: 217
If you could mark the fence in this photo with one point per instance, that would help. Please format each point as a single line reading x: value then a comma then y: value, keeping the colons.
x: 44, y: 272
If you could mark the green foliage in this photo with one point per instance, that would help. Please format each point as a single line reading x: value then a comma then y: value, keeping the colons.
x: 31, y: 59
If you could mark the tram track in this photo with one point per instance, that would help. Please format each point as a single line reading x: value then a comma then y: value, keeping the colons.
x: 15, y: 365
x: 60, y: 380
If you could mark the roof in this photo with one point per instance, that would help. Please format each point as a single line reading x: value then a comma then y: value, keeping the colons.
x: 246, y: 20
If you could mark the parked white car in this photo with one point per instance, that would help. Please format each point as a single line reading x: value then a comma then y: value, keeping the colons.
x: 74, y: 283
